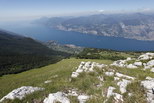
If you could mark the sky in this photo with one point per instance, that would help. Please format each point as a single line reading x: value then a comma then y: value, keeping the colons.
x: 30, y: 9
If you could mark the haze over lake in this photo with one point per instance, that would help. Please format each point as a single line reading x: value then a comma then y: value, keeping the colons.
x: 43, y: 33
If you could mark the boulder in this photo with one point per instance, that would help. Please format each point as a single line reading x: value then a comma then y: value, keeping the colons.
x: 131, y: 66
x: 56, y: 97
x: 146, y: 56
x: 124, y: 76
x: 83, y: 98
x: 123, y: 84
x: 138, y: 63
x: 118, y: 98
x: 152, y: 70
x: 109, y: 73
x: 150, y: 63
x: 119, y: 63
x: 129, y: 58
x: 110, y: 91
x: 116, y: 78
x: 21, y: 92
x: 74, y: 74
x: 149, y: 88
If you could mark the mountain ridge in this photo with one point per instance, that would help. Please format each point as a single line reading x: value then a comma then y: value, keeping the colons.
x: 132, y: 25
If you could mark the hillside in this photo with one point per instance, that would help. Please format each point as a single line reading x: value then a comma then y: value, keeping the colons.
x: 84, y: 81
x: 130, y: 25
x: 18, y: 53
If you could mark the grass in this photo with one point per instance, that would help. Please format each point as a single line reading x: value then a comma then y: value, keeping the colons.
x: 60, y: 73
x: 36, y: 77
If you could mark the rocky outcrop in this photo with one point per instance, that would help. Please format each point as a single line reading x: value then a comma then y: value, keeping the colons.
x: 123, y: 63
x: 56, y: 97
x: 123, y: 84
x: 148, y: 84
x: 21, y: 92
x: 86, y: 67
x: 138, y: 63
x: 63, y: 97
x: 117, y: 97
x: 109, y: 73
x: 146, y: 56
x: 83, y: 98
x: 124, y: 76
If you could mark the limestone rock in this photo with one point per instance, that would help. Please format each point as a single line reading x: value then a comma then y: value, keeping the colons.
x: 125, y: 76
x: 86, y: 67
x: 138, y: 63
x: 152, y: 70
x: 56, y: 97
x: 123, y: 84
x: 146, y: 56
x: 131, y: 66
x: 21, y: 92
x: 109, y: 73
x: 83, y: 98
x: 149, y: 87
x: 118, y: 98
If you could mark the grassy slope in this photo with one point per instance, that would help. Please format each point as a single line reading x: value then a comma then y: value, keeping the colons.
x: 85, y: 82
x: 36, y: 77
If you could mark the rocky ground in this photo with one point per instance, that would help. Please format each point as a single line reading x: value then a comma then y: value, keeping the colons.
x: 123, y: 81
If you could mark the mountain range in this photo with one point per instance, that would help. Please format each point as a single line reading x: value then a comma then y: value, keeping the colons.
x: 138, y: 26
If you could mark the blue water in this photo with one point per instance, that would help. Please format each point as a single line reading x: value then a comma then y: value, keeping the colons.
x: 43, y: 33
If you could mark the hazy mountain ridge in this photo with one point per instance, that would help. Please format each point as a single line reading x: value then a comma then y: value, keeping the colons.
x: 134, y: 26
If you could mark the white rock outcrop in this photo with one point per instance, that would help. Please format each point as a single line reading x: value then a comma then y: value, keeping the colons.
x: 109, y: 73
x: 116, y: 78
x: 128, y: 59
x: 110, y: 91
x: 131, y: 66
x: 150, y: 64
x: 83, y: 98
x: 86, y: 67
x: 149, y: 88
x: 138, y: 63
x: 118, y: 98
x: 146, y: 56
x: 123, y: 63
x: 123, y: 84
x: 119, y: 63
x: 56, y: 97
x: 152, y: 70
x: 124, y: 76
x: 21, y: 92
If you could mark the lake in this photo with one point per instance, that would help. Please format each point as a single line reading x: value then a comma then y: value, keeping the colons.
x: 44, y: 33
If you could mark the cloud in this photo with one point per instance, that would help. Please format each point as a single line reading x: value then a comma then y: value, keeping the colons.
x: 101, y: 11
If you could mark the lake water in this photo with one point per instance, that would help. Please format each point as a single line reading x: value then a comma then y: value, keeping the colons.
x: 43, y: 33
